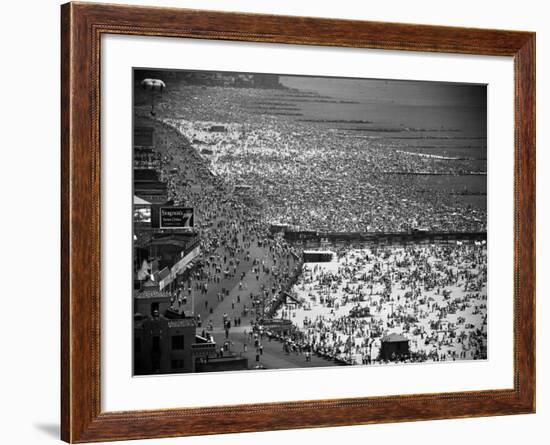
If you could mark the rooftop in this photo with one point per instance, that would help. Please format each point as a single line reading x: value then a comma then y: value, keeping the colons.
x: 394, y: 338
x: 181, y: 323
x: 140, y: 201
x: 150, y: 293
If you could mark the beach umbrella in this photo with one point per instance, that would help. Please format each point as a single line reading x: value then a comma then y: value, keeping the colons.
x: 154, y: 86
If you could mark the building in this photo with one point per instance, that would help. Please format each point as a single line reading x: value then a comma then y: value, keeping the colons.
x: 142, y: 212
x: 393, y: 347
x: 318, y: 256
x: 266, y: 81
x: 149, y: 187
x: 144, y: 137
x: 166, y: 257
x: 147, y: 164
x: 222, y: 363
x: 165, y: 341
x: 145, y: 156
x: 162, y: 339
x: 213, y: 78
x: 276, y: 326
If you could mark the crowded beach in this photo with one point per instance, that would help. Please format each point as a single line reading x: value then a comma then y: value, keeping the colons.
x: 244, y: 172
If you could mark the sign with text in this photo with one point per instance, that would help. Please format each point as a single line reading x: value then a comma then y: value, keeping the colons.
x: 176, y: 217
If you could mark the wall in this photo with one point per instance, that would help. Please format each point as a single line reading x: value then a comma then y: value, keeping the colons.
x: 30, y: 134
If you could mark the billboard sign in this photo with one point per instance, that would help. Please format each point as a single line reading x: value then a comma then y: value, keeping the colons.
x: 176, y: 217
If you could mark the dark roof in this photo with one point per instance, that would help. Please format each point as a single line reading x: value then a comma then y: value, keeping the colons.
x: 141, y: 185
x: 169, y: 242
x: 199, y: 339
x: 145, y: 175
x: 181, y: 240
x: 151, y: 294
x: 163, y: 273
x: 140, y: 201
x: 394, y: 338
x: 181, y: 323
x: 143, y: 135
x: 173, y: 314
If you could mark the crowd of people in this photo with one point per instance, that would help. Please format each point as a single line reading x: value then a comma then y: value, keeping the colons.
x: 434, y: 295
x: 310, y: 177
x: 315, y: 178
x: 234, y: 242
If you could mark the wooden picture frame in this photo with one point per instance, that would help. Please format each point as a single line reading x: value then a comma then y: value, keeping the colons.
x: 82, y: 25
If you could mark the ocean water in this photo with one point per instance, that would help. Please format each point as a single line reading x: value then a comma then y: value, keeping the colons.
x: 448, y: 116
x: 395, y: 104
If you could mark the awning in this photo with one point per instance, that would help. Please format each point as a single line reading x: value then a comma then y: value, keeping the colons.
x: 140, y: 201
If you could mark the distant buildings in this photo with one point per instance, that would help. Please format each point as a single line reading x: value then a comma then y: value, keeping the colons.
x: 210, y: 78
x: 163, y: 255
x: 266, y: 81
x: 145, y: 157
x: 148, y: 186
x: 165, y: 338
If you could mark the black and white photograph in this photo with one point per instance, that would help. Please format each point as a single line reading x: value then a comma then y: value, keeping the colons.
x: 284, y: 221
